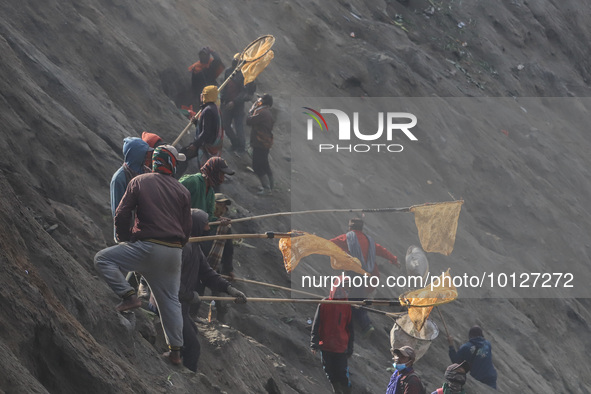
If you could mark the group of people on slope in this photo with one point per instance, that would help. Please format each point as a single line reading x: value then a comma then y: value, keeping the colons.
x: 222, y: 113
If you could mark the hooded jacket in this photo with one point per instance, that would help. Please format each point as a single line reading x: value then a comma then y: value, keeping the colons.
x: 332, y: 329
x: 195, y: 268
x: 478, y: 352
x: 134, y: 154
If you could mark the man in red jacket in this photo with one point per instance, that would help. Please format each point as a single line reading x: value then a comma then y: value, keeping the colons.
x: 332, y: 333
x: 362, y: 246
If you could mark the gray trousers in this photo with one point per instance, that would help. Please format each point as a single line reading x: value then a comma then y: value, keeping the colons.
x: 161, y: 267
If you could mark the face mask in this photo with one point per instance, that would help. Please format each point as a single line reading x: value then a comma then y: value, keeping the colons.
x: 399, y: 367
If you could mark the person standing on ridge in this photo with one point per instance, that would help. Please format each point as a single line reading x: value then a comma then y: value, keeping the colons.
x: 261, y: 140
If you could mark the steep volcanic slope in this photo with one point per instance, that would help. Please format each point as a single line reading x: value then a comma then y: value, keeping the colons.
x: 77, y: 77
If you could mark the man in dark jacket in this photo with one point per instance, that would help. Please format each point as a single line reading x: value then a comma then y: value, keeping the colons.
x: 209, y: 134
x: 204, y: 72
x: 404, y: 380
x: 233, y: 97
x: 153, y: 246
x: 261, y: 139
x: 333, y: 335
x: 478, y: 353
x: 358, y: 244
x: 196, y: 271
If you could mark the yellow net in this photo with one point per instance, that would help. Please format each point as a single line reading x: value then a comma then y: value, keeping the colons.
x: 257, y: 48
x: 296, y: 248
x: 421, y: 302
x: 252, y: 69
x: 437, y: 225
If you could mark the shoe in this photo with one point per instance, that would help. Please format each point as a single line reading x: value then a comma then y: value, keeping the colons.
x: 368, y: 332
x: 143, y: 291
x: 128, y: 303
x: 174, y: 356
x: 264, y: 191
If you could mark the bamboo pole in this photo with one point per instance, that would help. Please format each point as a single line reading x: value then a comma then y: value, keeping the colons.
x: 270, y: 215
x: 304, y: 301
x: 307, y: 294
x: 268, y: 234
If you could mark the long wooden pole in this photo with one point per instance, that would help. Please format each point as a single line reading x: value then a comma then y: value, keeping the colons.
x: 268, y: 234
x: 270, y: 215
x: 303, y: 301
x: 306, y: 294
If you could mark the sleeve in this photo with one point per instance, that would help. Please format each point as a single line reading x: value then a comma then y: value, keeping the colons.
x: 124, y: 212
x: 117, y: 191
x: 228, y: 257
x: 187, y: 219
x: 351, y: 335
x: 385, y: 253
x: 210, y: 278
x: 210, y: 203
x: 314, y: 337
x: 341, y: 242
x: 460, y: 355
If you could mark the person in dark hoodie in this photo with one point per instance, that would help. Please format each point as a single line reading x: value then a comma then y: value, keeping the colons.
x: 478, y: 353
x: 195, y: 271
x: 332, y: 334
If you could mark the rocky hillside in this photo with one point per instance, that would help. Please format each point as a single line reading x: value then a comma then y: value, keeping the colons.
x: 79, y: 76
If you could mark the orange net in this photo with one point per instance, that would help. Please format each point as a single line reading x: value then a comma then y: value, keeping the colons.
x: 296, y: 248
x: 421, y: 302
x: 437, y: 225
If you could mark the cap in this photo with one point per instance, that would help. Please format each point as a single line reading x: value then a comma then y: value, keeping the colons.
x: 224, y: 167
x: 152, y: 139
x: 178, y: 156
x: 221, y: 198
x: 266, y: 99
x: 465, y: 365
x: 406, y: 351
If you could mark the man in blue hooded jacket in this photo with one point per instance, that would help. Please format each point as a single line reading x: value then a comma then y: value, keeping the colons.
x: 478, y: 353
x: 134, y: 156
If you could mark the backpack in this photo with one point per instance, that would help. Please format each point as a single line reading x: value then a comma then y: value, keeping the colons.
x: 404, y: 382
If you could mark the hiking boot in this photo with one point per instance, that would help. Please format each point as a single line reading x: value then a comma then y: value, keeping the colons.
x: 174, y: 356
x: 143, y: 291
x: 367, y: 332
x: 128, y: 303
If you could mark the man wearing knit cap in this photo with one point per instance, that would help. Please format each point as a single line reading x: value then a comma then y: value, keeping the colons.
x: 153, y: 247
x: 478, y: 353
x: 404, y: 379
x: 209, y: 134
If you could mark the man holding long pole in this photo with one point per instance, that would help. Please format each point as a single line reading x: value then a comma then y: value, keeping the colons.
x: 363, y: 247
